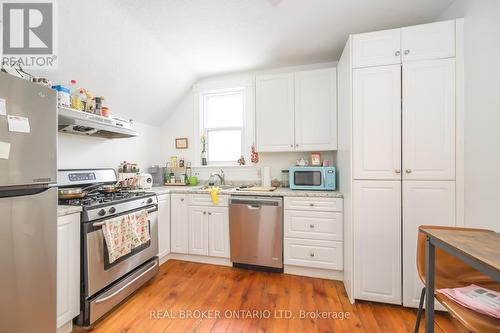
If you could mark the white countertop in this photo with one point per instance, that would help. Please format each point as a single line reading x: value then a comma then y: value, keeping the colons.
x: 281, y: 192
x: 63, y: 210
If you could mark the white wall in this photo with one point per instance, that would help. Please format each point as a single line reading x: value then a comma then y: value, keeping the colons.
x: 482, y: 109
x: 88, y: 152
x: 181, y: 123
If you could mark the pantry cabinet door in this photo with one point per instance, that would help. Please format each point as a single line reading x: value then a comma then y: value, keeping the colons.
x: 377, y: 241
x: 275, y: 112
x: 68, y: 268
x: 316, y: 110
x: 163, y: 225
x: 428, y: 41
x: 376, y: 48
x: 429, y: 120
x: 429, y: 203
x: 377, y: 123
x: 179, y: 223
x: 218, y: 231
x: 198, y: 231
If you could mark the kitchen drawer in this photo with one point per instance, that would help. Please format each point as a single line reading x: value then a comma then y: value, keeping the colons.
x: 314, y: 253
x: 314, y: 225
x: 206, y: 200
x: 163, y: 197
x: 314, y: 203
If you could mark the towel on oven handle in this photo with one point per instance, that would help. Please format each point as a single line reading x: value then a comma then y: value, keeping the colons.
x: 124, y: 233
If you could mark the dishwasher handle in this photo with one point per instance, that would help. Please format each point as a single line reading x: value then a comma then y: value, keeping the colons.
x: 256, y: 203
x: 254, y: 206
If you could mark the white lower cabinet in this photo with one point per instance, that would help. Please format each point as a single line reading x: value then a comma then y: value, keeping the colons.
x: 179, y: 220
x: 198, y: 231
x: 218, y: 232
x: 68, y: 268
x: 313, y: 236
x: 163, y: 225
x: 377, y: 239
x: 429, y: 203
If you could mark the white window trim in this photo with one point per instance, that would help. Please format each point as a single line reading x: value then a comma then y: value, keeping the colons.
x: 200, y: 90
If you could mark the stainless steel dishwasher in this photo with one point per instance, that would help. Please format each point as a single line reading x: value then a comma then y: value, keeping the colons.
x: 256, y: 231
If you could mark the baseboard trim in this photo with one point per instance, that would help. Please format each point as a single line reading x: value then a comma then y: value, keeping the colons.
x: 66, y: 328
x: 196, y: 258
x: 315, y: 272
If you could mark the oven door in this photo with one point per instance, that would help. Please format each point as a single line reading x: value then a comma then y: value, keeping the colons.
x: 98, y: 273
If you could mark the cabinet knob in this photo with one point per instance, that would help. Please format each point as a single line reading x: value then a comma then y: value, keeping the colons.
x: 204, y: 213
x: 182, y: 199
x: 311, y: 226
x: 407, y: 52
x: 209, y: 213
x: 291, y: 146
x: 296, y: 145
x: 311, y: 204
x: 408, y: 170
x: 397, y: 53
x: 311, y: 255
x: 397, y: 171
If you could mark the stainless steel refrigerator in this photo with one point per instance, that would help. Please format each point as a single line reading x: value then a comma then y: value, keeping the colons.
x: 28, y: 206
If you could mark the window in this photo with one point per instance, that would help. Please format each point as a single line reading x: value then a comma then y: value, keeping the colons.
x: 223, y: 124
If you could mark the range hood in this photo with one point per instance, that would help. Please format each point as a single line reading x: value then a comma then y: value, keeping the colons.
x: 83, y: 123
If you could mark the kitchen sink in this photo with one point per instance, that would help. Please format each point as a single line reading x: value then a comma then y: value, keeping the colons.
x: 222, y: 187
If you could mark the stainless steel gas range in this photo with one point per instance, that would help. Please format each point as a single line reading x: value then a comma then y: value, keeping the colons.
x: 105, y: 284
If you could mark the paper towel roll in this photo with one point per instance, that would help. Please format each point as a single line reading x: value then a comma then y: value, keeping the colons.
x: 266, y: 176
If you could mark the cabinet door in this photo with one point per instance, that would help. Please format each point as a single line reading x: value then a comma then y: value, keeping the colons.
x: 316, y: 110
x: 274, y: 112
x: 179, y: 224
x: 376, y: 48
x: 377, y: 241
x: 164, y: 225
x: 198, y: 231
x: 218, y: 230
x: 68, y: 268
x: 429, y: 203
x: 428, y: 41
x: 377, y: 123
x: 429, y: 120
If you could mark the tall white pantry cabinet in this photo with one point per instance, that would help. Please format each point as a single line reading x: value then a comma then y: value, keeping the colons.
x: 400, y: 150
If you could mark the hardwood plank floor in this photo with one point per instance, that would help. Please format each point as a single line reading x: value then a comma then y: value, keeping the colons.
x: 237, y: 300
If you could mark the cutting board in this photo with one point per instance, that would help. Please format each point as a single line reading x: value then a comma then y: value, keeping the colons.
x: 259, y: 189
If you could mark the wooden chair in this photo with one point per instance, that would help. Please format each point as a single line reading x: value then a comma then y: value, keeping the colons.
x: 451, y: 272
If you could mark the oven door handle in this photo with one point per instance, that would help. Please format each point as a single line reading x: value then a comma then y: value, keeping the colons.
x: 100, y: 224
x: 125, y: 286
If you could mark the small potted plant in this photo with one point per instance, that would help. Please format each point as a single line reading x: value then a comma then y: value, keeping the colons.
x: 204, y: 142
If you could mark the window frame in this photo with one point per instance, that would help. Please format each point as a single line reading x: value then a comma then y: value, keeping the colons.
x: 204, y: 90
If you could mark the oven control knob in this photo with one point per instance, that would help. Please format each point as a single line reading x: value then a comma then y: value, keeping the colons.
x: 150, y: 200
x: 102, y: 212
x: 112, y: 210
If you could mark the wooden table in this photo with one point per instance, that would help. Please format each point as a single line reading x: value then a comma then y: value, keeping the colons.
x: 478, y: 249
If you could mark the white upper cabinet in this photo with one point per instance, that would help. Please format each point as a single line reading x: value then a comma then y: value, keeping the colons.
x: 429, y: 203
x: 377, y: 239
x: 377, y: 48
x: 429, y: 120
x: 377, y: 123
x: 428, y: 41
x: 179, y: 223
x: 163, y: 225
x: 316, y: 110
x: 275, y: 112
x: 218, y: 231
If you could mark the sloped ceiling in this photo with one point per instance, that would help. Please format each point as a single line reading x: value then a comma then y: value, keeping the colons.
x: 143, y: 56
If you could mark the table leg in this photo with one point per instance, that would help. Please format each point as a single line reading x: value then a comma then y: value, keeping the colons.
x: 429, y: 285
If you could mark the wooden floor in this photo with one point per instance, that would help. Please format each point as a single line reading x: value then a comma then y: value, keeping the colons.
x: 182, y: 287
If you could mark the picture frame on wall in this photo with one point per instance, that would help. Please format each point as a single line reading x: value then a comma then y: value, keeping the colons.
x: 181, y: 143
x: 316, y: 159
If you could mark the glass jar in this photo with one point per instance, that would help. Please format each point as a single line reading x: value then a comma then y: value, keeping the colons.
x: 285, y: 179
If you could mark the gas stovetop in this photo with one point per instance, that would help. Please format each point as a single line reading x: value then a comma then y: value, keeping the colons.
x: 97, y: 199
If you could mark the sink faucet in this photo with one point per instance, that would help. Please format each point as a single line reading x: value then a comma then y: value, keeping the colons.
x: 221, y: 176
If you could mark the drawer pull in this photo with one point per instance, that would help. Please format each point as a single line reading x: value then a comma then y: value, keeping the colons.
x: 311, y: 226
x: 311, y: 255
